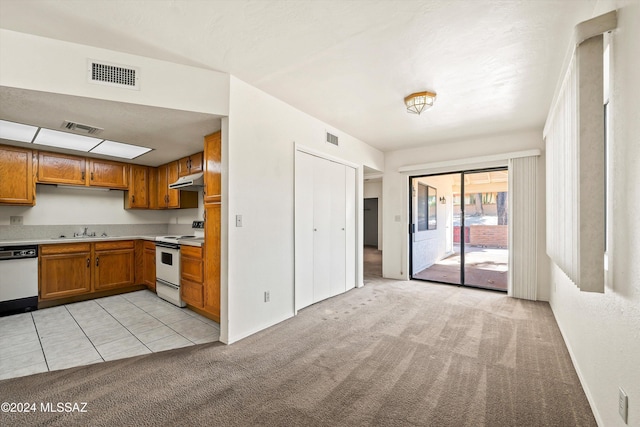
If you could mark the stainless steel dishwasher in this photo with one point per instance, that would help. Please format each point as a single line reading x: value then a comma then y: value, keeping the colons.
x: 18, y: 279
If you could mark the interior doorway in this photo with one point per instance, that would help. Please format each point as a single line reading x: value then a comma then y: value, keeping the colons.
x: 459, y: 228
x: 371, y: 222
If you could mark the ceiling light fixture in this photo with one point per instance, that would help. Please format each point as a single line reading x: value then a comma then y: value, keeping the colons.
x: 118, y: 149
x: 418, y: 102
x: 54, y: 138
x: 17, y: 131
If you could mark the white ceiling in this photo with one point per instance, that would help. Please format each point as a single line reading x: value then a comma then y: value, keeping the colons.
x: 493, y: 63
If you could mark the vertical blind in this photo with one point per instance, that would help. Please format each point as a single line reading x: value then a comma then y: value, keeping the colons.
x: 574, y: 137
x: 523, y: 247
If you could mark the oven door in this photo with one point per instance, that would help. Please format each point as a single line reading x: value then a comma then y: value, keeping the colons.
x: 168, y: 262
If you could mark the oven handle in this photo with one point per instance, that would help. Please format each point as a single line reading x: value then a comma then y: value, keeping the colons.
x: 169, y: 284
x: 168, y: 245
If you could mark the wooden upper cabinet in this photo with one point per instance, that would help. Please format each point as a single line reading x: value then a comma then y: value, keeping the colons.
x: 138, y: 195
x: 212, y: 168
x: 173, y: 200
x: 190, y: 165
x: 153, y: 188
x: 17, y: 185
x: 163, y: 187
x: 55, y: 168
x: 104, y: 173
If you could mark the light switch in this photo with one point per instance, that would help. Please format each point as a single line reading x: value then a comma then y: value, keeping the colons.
x: 238, y: 220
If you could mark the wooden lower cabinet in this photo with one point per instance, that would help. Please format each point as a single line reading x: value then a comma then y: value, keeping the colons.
x: 70, y: 269
x: 114, y: 265
x: 212, y: 260
x: 149, y: 265
x: 65, y: 270
x: 192, y: 275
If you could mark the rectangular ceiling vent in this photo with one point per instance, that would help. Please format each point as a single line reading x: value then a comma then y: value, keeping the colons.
x: 80, y: 128
x: 104, y: 73
x: 332, y: 139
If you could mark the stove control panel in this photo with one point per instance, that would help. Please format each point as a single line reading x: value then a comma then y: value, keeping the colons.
x: 197, y: 224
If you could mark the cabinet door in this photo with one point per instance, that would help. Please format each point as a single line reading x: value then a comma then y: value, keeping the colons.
x: 212, y: 164
x: 103, y: 173
x: 64, y: 270
x: 172, y: 176
x: 195, y: 163
x: 163, y: 187
x: 54, y: 168
x: 16, y: 169
x: 138, y: 194
x: 183, y: 166
x: 114, y: 265
x: 191, y: 275
x: 153, y: 188
x: 212, y: 260
x: 149, y: 265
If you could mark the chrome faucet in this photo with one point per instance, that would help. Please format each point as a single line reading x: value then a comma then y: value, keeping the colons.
x: 86, y: 231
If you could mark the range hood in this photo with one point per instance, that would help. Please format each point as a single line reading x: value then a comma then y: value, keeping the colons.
x: 190, y: 182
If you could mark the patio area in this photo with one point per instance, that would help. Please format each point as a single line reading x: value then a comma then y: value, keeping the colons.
x: 485, y: 268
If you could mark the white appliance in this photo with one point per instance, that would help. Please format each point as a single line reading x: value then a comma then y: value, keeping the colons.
x: 192, y: 182
x: 18, y: 279
x: 168, y: 264
x: 168, y: 269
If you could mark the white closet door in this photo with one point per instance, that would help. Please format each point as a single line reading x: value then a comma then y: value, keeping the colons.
x: 322, y: 229
x: 337, y: 267
x: 350, y: 233
x: 304, y: 194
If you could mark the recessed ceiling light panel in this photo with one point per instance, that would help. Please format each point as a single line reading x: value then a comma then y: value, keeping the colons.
x: 53, y: 138
x: 118, y: 149
x: 17, y: 131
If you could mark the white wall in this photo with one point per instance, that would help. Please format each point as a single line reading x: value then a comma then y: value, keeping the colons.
x: 602, y: 331
x: 396, y: 188
x: 260, y: 179
x: 162, y: 84
x: 65, y: 206
x: 373, y: 190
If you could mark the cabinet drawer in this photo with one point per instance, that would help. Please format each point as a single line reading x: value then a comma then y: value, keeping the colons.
x: 191, y: 251
x: 149, y: 246
x: 65, y: 248
x: 107, y: 246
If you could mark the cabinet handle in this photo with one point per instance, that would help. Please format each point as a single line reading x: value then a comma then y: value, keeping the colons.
x: 133, y: 199
x: 97, y: 261
x: 88, y: 262
x: 91, y: 176
x: 83, y: 175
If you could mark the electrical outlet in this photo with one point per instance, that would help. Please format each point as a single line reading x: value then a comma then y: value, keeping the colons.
x: 623, y: 404
x: 15, y: 220
x: 267, y: 296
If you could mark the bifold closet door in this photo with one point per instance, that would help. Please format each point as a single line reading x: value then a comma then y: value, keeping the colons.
x: 325, y: 234
x: 303, y: 230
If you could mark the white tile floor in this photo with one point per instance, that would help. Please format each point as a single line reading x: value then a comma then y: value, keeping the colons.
x: 97, y: 330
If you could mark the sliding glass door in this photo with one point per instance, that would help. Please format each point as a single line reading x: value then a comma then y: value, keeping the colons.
x: 459, y: 228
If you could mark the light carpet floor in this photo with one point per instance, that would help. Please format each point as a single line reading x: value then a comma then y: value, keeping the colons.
x: 389, y: 354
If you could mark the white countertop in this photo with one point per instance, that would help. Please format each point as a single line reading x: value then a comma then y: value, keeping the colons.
x: 198, y: 242
x: 57, y: 240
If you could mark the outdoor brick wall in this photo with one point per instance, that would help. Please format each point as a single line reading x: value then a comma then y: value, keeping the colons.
x: 492, y: 236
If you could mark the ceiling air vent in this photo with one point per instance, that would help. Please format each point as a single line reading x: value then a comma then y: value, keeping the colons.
x: 80, y: 128
x: 104, y: 73
x: 332, y: 139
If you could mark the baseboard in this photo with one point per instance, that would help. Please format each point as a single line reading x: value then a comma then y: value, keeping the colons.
x: 583, y: 383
